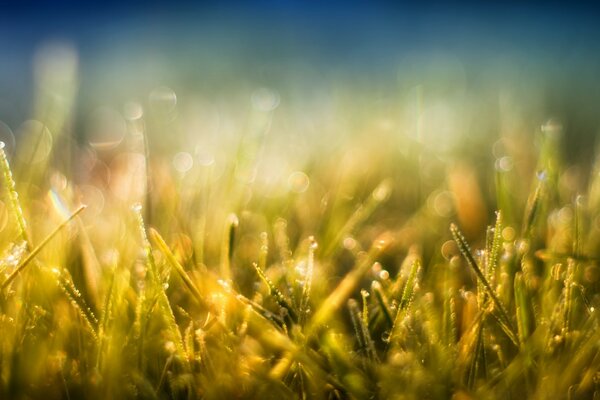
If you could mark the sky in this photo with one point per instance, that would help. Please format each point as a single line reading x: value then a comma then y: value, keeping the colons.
x: 126, y: 47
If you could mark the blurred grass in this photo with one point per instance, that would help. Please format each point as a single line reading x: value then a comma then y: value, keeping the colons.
x: 238, y: 253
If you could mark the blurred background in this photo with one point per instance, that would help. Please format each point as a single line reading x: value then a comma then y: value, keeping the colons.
x: 463, y: 66
x: 271, y: 98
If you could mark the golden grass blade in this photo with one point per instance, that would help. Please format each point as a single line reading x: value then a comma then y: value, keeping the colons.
x: 39, y: 248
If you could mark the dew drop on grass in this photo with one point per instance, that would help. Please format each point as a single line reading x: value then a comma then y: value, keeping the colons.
x: 136, y: 207
x: 7, y: 138
x: 376, y: 268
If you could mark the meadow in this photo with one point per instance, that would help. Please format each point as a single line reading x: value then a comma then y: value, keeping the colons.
x: 181, y: 247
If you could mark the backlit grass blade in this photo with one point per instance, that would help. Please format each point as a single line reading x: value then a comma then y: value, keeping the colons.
x: 335, y: 300
x: 466, y: 252
x: 39, y: 248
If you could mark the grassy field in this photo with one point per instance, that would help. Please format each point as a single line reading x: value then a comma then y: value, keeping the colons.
x: 355, y: 256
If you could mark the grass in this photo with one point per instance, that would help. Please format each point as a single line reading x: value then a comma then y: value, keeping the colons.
x: 344, y: 285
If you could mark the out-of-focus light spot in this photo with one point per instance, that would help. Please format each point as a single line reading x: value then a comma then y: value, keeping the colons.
x: 163, y: 99
x: 382, y: 191
x: 443, y: 204
x: 128, y: 177
x: 264, y: 99
x: 449, y: 249
x: 349, y: 243
x: 94, y: 198
x: 204, y: 158
x: 183, y: 162
x: 504, y: 164
x: 35, y: 141
x: 376, y: 268
x: 499, y: 149
x: 508, y: 233
x: 107, y: 129
x: 7, y: 137
x: 298, y: 182
x: 133, y: 111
